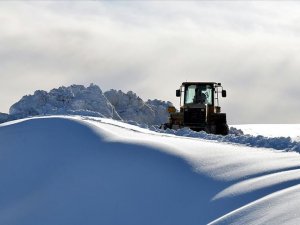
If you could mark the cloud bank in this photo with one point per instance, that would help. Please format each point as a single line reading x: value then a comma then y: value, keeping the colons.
x: 151, y: 47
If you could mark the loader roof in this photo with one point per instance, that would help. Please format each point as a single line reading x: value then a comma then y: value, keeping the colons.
x: 184, y: 83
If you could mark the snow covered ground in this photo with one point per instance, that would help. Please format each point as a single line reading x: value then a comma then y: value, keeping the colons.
x: 272, y: 130
x: 83, y: 170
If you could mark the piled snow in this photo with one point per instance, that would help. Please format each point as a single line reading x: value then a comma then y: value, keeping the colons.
x: 91, y: 101
x: 235, y: 136
x: 272, y: 130
x: 72, y: 170
x: 159, y: 107
x: 75, y: 99
x: 130, y: 107
x: 4, y: 117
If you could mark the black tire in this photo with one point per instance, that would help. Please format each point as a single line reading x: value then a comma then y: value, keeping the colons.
x: 222, y: 129
x: 221, y: 124
x: 165, y: 126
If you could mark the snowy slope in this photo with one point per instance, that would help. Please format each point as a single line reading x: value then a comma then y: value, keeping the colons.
x: 79, y: 170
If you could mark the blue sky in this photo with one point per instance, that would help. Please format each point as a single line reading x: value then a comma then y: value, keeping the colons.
x: 150, y: 47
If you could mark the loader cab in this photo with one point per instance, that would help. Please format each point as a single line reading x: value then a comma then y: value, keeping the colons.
x: 198, y: 94
x: 206, y: 93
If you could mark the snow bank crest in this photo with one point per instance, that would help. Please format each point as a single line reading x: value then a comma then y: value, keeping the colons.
x: 91, y: 101
x: 74, y: 99
x: 127, y: 107
x: 4, y: 117
x: 235, y: 136
x: 132, y: 108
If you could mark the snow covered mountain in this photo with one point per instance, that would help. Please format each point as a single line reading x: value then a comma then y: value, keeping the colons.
x: 91, y: 101
x: 91, y: 170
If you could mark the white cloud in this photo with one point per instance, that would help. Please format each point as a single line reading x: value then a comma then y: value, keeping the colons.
x: 151, y: 47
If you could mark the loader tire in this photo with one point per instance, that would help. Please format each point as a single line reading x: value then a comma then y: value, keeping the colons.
x: 222, y: 129
x: 165, y: 126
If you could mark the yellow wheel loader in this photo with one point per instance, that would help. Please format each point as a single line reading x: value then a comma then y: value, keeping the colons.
x: 199, y: 108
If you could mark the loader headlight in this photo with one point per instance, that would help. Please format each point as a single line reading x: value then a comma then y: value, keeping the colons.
x: 171, y: 109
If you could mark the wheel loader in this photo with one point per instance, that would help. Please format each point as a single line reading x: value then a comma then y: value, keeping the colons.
x: 199, y: 108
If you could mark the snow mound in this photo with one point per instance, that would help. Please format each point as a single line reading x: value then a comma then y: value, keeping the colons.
x: 159, y: 107
x: 80, y: 170
x: 236, y: 136
x: 90, y: 101
x: 75, y: 99
x: 272, y: 130
x: 130, y: 107
x: 4, y: 117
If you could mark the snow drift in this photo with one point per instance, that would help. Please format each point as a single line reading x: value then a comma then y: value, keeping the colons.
x: 4, y: 117
x: 128, y: 107
x: 91, y: 101
x: 237, y: 136
x: 72, y: 170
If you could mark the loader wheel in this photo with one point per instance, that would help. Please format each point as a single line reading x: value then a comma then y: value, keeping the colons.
x: 222, y: 129
x: 165, y: 126
x: 211, y: 129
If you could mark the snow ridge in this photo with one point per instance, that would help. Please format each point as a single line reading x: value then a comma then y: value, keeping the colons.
x: 4, y: 117
x: 90, y: 101
x: 75, y: 99
x: 236, y: 136
x: 127, y: 107
x: 131, y: 107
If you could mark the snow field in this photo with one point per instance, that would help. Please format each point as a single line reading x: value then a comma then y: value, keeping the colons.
x: 75, y: 170
x: 288, y: 141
